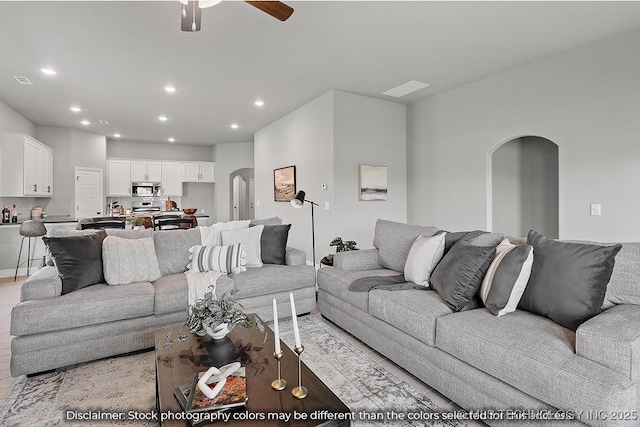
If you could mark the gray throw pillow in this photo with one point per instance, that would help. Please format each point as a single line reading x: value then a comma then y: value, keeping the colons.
x: 78, y: 259
x: 394, y: 240
x: 273, y: 244
x: 172, y: 249
x: 475, y: 237
x: 458, y: 276
x: 568, y: 280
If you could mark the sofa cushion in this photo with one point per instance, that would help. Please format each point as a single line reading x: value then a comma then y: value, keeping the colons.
x: 272, y: 220
x: 394, y: 240
x: 458, y: 276
x: 411, y: 311
x: 171, y: 294
x: 336, y: 282
x: 273, y: 244
x: 506, y: 278
x: 223, y: 259
x: 78, y: 259
x: 475, y: 237
x: 520, y: 347
x: 424, y: 255
x: 129, y: 260
x: 89, y: 306
x: 141, y: 233
x: 624, y: 286
x: 250, y: 240
x: 568, y: 280
x: 172, y: 249
x: 272, y: 278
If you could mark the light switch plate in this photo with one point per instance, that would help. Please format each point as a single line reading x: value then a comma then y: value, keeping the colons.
x: 596, y: 209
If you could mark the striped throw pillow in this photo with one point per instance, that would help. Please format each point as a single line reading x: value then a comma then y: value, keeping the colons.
x: 224, y: 259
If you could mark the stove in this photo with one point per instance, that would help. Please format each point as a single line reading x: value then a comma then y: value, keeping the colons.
x: 148, y: 206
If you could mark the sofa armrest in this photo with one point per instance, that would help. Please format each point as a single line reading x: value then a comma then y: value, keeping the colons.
x: 366, y: 259
x: 45, y: 283
x: 612, y: 339
x: 295, y: 256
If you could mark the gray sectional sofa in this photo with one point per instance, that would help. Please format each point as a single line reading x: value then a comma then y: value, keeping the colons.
x: 53, y: 330
x: 520, y: 361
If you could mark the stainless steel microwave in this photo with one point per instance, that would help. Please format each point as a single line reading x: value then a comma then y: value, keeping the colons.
x: 146, y: 189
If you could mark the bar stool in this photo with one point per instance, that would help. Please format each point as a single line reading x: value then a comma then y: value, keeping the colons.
x: 29, y: 229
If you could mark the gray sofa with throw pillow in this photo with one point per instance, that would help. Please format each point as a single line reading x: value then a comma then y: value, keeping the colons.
x: 53, y: 329
x: 588, y: 370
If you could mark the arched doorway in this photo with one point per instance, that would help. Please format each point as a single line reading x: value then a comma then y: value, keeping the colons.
x: 524, y: 187
x: 242, y: 194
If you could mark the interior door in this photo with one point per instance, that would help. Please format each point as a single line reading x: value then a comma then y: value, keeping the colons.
x: 252, y: 198
x: 89, y: 198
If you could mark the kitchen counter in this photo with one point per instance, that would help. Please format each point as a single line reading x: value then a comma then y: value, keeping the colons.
x: 52, y: 219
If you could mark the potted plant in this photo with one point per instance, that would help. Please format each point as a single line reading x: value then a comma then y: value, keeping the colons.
x: 137, y: 222
x: 343, y: 246
x: 215, y: 316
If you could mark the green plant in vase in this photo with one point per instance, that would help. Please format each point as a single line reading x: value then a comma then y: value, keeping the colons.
x: 342, y: 245
x: 213, y: 316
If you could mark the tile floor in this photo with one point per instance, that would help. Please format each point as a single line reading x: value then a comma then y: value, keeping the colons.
x: 10, y: 296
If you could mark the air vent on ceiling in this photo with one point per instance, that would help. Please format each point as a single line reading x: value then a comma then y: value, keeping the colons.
x: 23, y: 80
x: 405, y: 89
x: 104, y: 122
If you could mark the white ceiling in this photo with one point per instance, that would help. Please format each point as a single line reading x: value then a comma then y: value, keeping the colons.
x: 114, y: 58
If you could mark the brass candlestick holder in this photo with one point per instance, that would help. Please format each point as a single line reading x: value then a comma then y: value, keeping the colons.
x: 299, y: 392
x: 279, y: 384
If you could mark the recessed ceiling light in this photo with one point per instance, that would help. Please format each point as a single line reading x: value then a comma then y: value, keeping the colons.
x: 259, y: 103
x: 172, y: 139
x: 162, y: 118
x: 170, y: 89
x: 116, y: 135
x: 86, y: 122
x: 234, y: 126
x: 49, y: 71
x: 75, y: 109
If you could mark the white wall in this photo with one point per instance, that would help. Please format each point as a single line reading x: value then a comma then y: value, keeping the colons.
x: 303, y: 138
x: 507, y: 183
x: 159, y: 151
x: 367, y: 131
x: 326, y: 140
x: 231, y: 157
x: 586, y: 100
x: 71, y: 148
x: 12, y: 122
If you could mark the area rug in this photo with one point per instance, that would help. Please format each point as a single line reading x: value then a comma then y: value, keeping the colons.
x: 127, y: 383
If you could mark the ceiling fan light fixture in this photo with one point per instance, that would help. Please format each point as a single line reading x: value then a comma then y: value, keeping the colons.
x: 203, y: 4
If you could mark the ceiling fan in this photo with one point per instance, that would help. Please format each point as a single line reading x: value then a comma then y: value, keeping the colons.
x: 191, y: 11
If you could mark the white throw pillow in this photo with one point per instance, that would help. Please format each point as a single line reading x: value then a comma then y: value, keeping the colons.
x: 224, y: 259
x: 250, y: 239
x: 212, y: 236
x: 129, y: 260
x: 506, y: 278
x: 424, y: 255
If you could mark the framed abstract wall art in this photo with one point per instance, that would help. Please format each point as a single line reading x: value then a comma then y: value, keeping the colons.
x: 373, y: 182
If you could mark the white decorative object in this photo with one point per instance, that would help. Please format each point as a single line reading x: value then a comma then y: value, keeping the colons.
x: 296, y: 331
x: 219, y: 332
x: 276, y: 329
x: 218, y: 376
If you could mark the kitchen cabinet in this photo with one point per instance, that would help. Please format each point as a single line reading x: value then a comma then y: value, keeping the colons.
x: 118, y: 178
x: 26, y: 167
x: 198, y: 171
x: 171, y: 179
x: 142, y: 171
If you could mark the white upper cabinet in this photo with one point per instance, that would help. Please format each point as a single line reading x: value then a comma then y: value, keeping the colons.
x: 118, y: 178
x: 171, y: 179
x: 142, y: 171
x: 198, y: 171
x: 26, y: 167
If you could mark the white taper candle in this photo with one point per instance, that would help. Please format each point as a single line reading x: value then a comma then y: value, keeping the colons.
x: 296, y: 331
x: 276, y: 330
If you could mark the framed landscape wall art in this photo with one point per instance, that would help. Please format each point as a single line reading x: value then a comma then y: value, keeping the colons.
x: 373, y: 182
x: 284, y: 184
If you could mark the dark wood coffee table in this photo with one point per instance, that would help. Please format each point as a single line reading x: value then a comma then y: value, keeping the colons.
x: 176, y: 365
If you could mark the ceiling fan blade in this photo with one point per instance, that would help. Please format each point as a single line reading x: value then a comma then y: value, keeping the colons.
x: 277, y: 9
x: 190, y: 17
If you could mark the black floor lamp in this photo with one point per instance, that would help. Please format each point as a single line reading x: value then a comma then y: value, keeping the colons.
x: 297, y: 202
